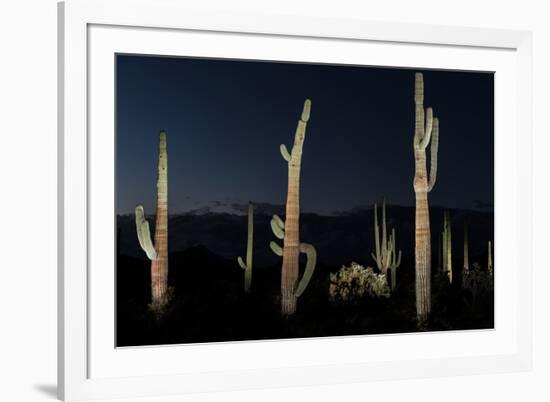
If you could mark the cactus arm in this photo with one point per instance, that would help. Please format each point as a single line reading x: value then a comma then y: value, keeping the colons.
x: 388, y: 253
x: 427, y: 129
x: 311, y: 254
x: 387, y: 256
x: 279, y: 221
x: 419, y: 108
x: 144, y: 233
x: 241, y: 263
x: 433, y: 153
x: 277, y: 230
x: 306, y: 111
x: 424, y: 118
x: 395, y: 261
x: 276, y: 248
x: 398, y: 263
x: 284, y: 152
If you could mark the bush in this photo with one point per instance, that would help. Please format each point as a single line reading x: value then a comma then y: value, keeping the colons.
x: 352, y: 283
x: 477, y: 281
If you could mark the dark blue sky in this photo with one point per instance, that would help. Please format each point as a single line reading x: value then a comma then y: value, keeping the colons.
x: 226, y: 119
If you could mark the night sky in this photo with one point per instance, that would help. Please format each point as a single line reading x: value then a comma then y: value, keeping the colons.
x: 225, y: 120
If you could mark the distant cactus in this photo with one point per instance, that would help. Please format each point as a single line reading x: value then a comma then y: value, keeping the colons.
x: 478, y: 281
x: 489, y: 259
x: 466, y: 264
x: 439, y: 254
x: 249, y: 250
x: 157, y: 253
x: 352, y: 283
x: 426, y: 131
x: 447, y: 246
x: 466, y: 259
x: 386, y: 256
x: 289, y: 230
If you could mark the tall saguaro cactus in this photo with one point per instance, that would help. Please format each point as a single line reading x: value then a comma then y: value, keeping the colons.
x: 157, y: 253
x: 289, y: 230
x: 426, y: 129
x: 249, y: 250
x: 386, y: 256
x: 447, y: 246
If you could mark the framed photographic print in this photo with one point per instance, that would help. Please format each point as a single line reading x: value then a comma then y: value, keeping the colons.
x: 256, y: 201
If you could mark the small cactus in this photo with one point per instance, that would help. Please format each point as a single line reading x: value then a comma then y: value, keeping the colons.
x: 477, y: 280
x: 447, y: 246
x: 386, y: 256
x: 466, y: 259
x: 249, y: 250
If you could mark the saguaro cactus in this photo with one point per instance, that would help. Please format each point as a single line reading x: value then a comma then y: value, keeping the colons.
x: 249, y: 250
x: 426, y: 129
x: 386, y: 256
x: 157, y: 253
x: 447, y: 246
x: 289, y: 230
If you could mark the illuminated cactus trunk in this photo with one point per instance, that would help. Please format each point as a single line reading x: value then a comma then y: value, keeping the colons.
x: 425, y: 123
x: 289, y: 230
x: 157, y: 253
x: 291, y: 250
x: 159, y: 266
x: 249, y: 250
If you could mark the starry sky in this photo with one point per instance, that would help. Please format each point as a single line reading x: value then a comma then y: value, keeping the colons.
x: 225, y: 120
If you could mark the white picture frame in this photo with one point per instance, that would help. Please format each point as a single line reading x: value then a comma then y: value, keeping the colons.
x: 90, y: 367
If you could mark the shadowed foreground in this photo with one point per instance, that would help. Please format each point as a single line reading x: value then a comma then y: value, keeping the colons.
x: 209, y: 305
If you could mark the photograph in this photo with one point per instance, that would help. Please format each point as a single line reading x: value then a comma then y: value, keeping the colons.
x: 267, y: 200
